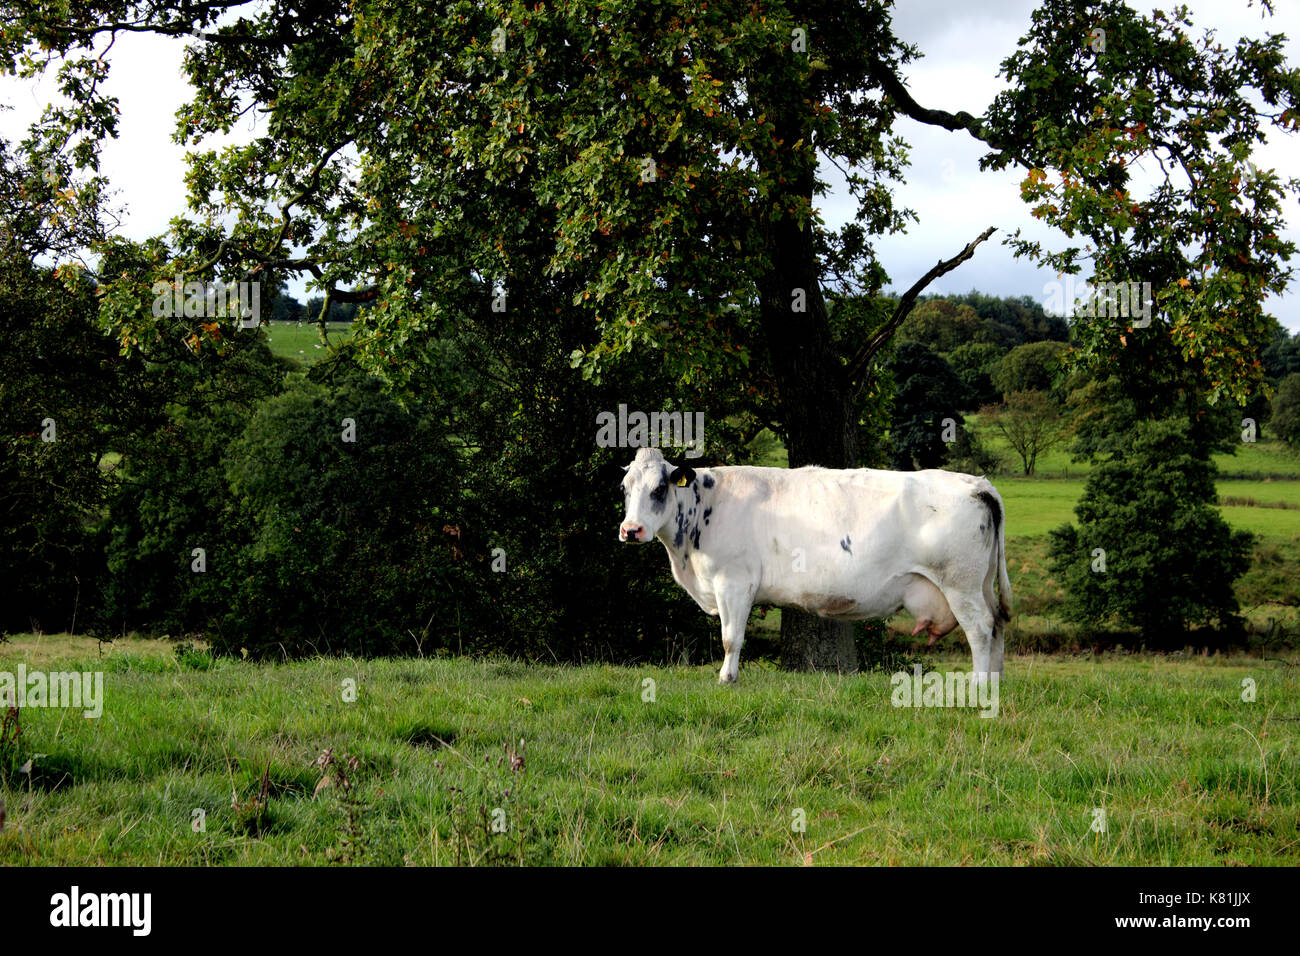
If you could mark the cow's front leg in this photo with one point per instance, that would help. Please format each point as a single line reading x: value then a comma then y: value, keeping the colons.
x: 734, y: 603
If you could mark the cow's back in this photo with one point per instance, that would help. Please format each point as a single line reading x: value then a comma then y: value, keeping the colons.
x: 847, y: 539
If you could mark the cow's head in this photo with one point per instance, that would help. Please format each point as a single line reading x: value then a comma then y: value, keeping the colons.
x: 648, y: 486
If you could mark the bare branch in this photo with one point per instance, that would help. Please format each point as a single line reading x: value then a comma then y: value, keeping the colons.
x: 861, y: 361
x: 893, y: 88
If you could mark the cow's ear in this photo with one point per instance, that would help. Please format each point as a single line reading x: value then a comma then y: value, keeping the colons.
x: 681, y: 475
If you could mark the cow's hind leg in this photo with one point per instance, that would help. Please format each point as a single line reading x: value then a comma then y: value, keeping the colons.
x: 976, y: 620
x: 996, y: 647
x: 733, y: 611
x: 998, y: 643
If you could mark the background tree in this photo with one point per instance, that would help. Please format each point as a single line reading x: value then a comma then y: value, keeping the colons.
x: 973, y: 364
x: 60, y: 385
x: 926, y: 402
x: 941, y: 326
x: 1281, y: 357
x: 1150, y: 547
x: 1014, y: 320
x: 1032, y: 424
x: 68, y: 399
x: 1286, y: 410
x: 1032, y: 367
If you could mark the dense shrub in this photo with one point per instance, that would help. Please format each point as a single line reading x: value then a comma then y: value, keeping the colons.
x: 359, y: 542
x: 970, y: 455
x: 66, y: 400
x: 1169, y: 559
x: 170, y: 497
x: 572, y: 591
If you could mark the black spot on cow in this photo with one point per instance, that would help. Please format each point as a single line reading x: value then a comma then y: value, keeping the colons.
x: 708, y: 481
x: 707, y: 512
x: 695, y: 537
x: 681, y: 527
x: 846, y: 544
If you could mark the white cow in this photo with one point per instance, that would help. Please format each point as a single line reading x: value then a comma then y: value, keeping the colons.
x: 845, y: 544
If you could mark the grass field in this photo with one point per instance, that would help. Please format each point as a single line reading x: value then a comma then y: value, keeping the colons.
x: 1037, y: 505
x: 1185, y: 771
x: 302, y: 342
x: 1257, y: 460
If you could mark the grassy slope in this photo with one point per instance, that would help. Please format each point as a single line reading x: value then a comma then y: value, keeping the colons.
x: 1251, y: 460
x: 702, y: 775
x: 300, y: 342
x: 1035, y: 506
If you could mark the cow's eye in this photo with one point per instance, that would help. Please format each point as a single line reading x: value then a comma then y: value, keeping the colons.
x: 660, y: 493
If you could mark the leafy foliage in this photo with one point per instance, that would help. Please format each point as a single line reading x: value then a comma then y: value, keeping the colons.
x: 927, y: 393
x: 973, y: 363
x: 358, y: 527
x: 1032, y: 367
x: 969, y: 454
x: 1169, y: 558
x: 1084, y: 111
x: 1286, y: 410
x: 942, y: 326
x: 67, y: 399
x: 170, y: 497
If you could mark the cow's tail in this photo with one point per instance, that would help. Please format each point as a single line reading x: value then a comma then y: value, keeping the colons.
x: 1001, y: 608
x: 1004, y: 582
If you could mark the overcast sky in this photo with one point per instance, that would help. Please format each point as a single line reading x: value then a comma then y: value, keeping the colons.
x: 962, y: 42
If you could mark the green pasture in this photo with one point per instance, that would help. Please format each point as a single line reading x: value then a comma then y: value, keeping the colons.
x: 477, y: 762
x: 301, y: 342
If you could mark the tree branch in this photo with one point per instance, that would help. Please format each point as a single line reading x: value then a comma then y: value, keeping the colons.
x: 861, y: 361
x: 893, y: 87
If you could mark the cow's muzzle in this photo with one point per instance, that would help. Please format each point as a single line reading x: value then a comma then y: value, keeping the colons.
x: 631, y: 531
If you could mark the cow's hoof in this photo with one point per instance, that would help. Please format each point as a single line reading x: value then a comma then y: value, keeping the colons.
x: 725, y: 680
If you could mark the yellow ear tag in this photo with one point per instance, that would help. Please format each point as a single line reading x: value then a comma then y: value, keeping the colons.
x: 681, y: 482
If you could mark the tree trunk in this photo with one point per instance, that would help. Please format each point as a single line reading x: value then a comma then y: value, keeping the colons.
x: 814, y: 400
